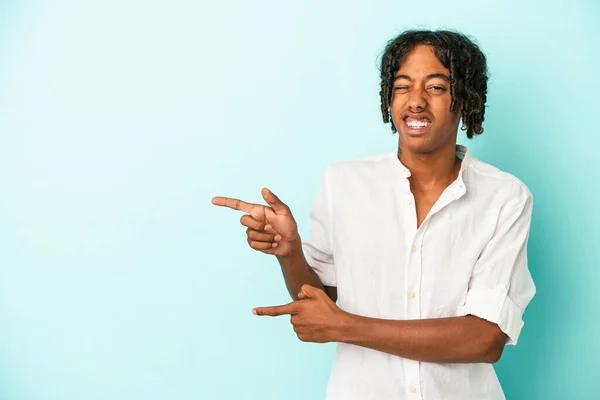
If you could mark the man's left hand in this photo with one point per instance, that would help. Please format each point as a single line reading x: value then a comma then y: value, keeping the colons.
x: 315, y: 317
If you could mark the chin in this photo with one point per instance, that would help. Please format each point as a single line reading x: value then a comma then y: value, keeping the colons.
x: 426, y: 142
x: 416, y: 144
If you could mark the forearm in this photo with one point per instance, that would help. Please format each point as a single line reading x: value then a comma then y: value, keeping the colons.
x: 466, y: 339
x: 297, y: 272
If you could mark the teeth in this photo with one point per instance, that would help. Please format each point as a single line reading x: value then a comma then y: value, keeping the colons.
x: 414, y: 123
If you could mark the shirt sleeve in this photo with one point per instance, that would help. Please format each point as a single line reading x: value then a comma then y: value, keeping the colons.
x: 318, y: 248
x: 501, y: 287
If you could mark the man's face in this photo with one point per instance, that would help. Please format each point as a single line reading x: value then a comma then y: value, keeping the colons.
x: 421, y: 102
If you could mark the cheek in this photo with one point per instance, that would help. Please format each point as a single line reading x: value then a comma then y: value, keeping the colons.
x: 444, y: 123
x: 443, y: 116
x: 397, y: 107
x: 398, y: 101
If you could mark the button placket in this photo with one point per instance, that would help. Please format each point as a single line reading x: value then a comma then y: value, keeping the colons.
x: 413, y: 286
x: 415, y: 391
x: 413, y: 311
x: 412, y: 282
x: 411, y: 256
x: 412, y: 379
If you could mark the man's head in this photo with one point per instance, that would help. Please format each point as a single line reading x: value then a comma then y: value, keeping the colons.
x: 429, y: 81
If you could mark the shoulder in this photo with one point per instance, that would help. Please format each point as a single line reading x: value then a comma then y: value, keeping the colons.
x: 373, y: 166
x: 486, y: 178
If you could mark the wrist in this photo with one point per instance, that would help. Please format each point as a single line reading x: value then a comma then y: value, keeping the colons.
x: 346, y: 329
x: 294, y: 251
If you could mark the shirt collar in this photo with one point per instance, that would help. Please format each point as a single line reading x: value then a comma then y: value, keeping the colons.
x: 459, y: 186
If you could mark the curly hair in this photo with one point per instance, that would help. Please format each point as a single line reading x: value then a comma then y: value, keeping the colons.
x: 463, y: 58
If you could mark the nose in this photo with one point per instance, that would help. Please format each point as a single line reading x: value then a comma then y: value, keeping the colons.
x: 416, y: 100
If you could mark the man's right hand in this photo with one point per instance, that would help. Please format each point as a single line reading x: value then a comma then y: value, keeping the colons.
x: 271, y: 229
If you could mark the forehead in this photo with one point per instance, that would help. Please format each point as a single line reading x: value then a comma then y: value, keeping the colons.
x: 421, y: 61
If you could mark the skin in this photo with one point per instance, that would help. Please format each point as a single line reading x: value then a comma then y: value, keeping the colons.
x: 421, y: 89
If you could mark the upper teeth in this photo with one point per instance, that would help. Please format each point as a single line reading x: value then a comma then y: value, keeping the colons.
x: 417, y: 123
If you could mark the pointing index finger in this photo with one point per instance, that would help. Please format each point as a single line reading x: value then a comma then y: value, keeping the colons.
x: 234, y: 204
x: 289, y: 308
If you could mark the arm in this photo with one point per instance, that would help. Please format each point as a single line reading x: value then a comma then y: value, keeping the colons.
x: 297, y: 273
x: 466, y: 339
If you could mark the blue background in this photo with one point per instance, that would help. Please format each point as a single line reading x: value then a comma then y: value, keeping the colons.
x: 119, y: 120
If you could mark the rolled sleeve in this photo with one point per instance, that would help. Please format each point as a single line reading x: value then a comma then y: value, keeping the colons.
x: 501, y: 286
x: 318, y: 249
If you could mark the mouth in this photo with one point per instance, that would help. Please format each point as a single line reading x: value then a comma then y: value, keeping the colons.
x: 417, y: 125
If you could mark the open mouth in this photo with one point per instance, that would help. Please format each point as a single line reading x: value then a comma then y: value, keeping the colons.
x: 417, y: 126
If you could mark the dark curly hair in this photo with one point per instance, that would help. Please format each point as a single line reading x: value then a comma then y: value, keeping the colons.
x: 463, y: 58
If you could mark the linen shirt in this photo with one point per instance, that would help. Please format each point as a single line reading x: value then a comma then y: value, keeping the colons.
x: 469, y: 256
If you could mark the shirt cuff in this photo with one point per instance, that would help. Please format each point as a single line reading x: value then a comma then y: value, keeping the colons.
x: 495, y: 306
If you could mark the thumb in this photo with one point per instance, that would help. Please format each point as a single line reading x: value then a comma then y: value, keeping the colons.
x: 277, y: 205
x: 308, y: 292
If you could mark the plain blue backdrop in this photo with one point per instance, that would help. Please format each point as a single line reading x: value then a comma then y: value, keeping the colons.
x: 119, y: 120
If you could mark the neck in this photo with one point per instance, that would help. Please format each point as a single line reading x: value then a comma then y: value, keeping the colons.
x: 431, y: 170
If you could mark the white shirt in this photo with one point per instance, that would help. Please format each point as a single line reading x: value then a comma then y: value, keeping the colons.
x: 469, y: 256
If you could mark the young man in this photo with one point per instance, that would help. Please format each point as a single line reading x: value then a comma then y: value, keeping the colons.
x: 425, y: 247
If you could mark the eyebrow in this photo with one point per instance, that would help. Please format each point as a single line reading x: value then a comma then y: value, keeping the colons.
x: 428, y: 77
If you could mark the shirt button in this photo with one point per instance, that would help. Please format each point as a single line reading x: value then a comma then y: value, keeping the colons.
x: 412, y: 295
x: 409, y: 202
x: 413, y: 248
x: 413, y: 389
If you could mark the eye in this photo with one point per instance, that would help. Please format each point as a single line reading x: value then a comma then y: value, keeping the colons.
x: 439, y: 89
x: 401, y: 89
